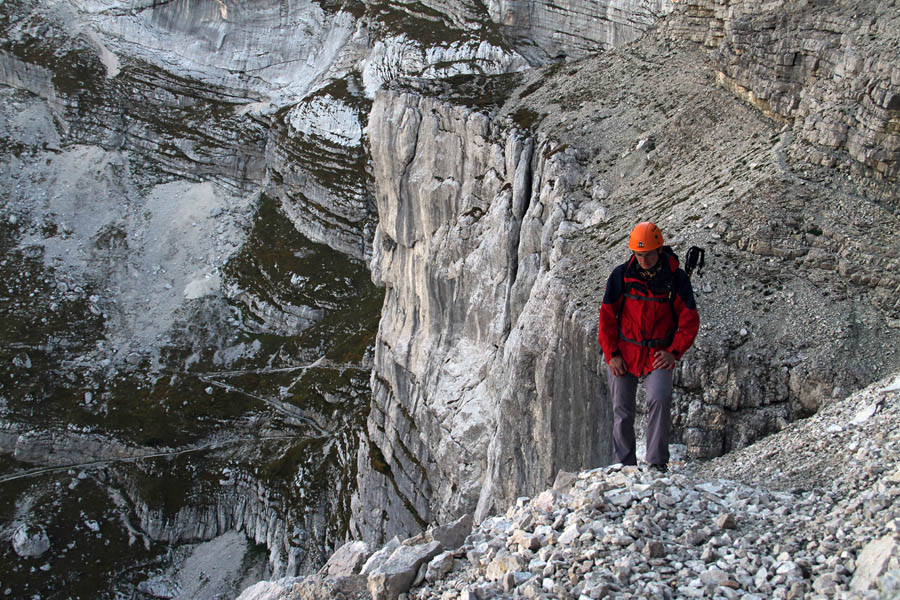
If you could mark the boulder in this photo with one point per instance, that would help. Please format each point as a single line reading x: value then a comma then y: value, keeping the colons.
x: 564, y: 481
x: 30, y: 541
x: 439, y: 566
x: 347, y: 560
x: 503, y: 564
x: 453, y: 535
x: 397, y: 573
x: 876, y: 558
x: 380, y: 556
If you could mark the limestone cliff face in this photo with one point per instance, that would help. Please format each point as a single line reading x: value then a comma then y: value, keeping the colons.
x: 317, y: 168
x: 249, y: 95
x: 293, y: 538
x: 482, y: 362
x: 155, y: 506
x: 542, y: 29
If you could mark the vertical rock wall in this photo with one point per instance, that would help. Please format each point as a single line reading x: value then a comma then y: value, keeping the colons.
x: 474, y: 362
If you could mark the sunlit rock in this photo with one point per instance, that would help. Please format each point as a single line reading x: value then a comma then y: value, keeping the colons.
x: 30, y: 541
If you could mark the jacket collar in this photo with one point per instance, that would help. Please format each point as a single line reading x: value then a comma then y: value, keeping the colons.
x: 668, y: 263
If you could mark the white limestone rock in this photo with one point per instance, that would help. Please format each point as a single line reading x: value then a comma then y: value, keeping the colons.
x: 347, y: 560
x: 577, y: 27
x: 877, y: 558
x: 464, y: 254
x: 30, y: 541
x: 439, y: 566
x: 396, y: 574
x: 380, y: 556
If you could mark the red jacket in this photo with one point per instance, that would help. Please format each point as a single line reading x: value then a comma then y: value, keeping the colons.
x: 639, y: 317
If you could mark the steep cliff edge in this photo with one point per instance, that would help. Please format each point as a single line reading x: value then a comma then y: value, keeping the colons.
x: 459, y: 248
x: 501, y: 217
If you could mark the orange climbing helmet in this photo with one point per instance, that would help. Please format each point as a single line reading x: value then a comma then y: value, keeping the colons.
x: 645, y: 237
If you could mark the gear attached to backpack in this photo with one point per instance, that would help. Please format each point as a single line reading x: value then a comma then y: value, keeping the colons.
x: 695, y: 258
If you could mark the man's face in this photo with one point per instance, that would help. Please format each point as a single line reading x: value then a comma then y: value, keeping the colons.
x: 647, y: 260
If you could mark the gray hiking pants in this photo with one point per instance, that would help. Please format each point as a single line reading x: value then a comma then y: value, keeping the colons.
x: 622, y: 391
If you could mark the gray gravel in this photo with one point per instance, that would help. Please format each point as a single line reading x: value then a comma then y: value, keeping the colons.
x: 811, y: 512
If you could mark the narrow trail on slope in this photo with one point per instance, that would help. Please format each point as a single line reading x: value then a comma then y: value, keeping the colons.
x: 35, y: 472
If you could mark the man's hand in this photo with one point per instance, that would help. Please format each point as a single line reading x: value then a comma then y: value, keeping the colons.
x: 663, y: 360
x: 617, y: 366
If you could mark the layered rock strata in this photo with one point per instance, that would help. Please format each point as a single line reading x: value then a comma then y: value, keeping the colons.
x: 575, y: 27
x: 154, y: 507
x: 318, y: 169
x: 247, y: 96
x: 830, y: 71
x: 295, y: 539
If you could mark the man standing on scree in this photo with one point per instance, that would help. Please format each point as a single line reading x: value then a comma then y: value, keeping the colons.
x: 648, y: 320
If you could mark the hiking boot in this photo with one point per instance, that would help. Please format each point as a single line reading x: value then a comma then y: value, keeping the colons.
x: 658, y: 468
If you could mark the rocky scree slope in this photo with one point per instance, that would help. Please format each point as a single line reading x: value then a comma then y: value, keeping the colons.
x: 809, y: 512
x: 829, y: 70
x: 506, y: 202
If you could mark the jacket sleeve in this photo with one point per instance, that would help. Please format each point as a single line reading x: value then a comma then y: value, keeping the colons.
x: 688, y: 317
x: 608, y: 332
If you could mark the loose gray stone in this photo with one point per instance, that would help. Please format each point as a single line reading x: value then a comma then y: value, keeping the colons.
x: 396, y: 574
x: 439, y: 566
x: 30, y: 541
x: 501, y: 565
x: 347, y: 560
x: 876, y: 558
x: 714, y: 576
x: 525, y: 540
x: 565, y: 481
x: 380, y: 556
x: 725, y: 521
x: 569, y: 535
x: 452, y: 535
x: 654, y: 549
